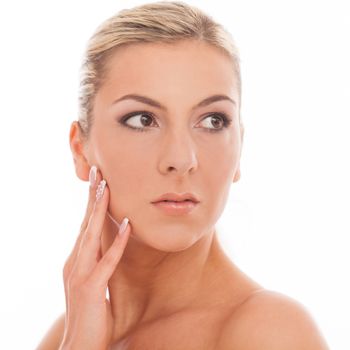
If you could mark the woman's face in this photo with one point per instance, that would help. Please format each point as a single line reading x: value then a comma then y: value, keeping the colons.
x: 178, y: 148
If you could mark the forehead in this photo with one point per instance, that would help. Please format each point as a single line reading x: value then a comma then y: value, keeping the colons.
x: 174, y: 68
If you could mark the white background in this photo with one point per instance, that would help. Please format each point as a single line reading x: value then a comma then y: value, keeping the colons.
x: 286, y: 223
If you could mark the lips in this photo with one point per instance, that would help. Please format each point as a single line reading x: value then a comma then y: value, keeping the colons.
x: 177, y: 197
x: 175, y: 208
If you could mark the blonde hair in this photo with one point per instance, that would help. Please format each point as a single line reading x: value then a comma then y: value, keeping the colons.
x: 163, y: 21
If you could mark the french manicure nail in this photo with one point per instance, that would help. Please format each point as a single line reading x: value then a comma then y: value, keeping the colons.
x: 123, y: 226
x: 100, y: 189
x: 92, y: 175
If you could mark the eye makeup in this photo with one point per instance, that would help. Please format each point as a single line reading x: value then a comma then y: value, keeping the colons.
x: 226, y: 121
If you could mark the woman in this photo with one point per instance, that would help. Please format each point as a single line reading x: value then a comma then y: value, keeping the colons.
x: 160, y: 138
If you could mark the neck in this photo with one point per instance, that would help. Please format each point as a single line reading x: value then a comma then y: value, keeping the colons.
x: 148, y: 284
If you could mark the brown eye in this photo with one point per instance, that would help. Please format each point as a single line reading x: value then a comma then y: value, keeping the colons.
x: 146, y: 120
x: 218, y: 121
x: 138, y: 123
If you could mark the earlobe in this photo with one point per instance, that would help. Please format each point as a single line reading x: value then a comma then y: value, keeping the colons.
x: 237, y: 175
x: 82, y: 167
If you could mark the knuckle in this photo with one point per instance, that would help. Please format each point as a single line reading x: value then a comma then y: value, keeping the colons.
x: 85, y: 290
x: 72, y: 284
x: 73, y: 279
x: 108, y: 259
x: 65, y: 273
x: 88, y: 237
x: 67, y: 268
x: 83, y: 225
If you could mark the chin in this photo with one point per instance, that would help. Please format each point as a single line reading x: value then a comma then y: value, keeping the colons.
x: 165, y: 239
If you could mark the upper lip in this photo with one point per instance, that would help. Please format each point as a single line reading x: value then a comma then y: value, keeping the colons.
x: 177, y: 197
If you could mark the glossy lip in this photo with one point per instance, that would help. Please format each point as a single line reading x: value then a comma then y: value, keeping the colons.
x: 177, y: 197
x: 176, y: 208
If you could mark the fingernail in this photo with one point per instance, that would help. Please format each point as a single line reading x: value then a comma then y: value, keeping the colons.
x: 123, y: 226
x: 100, y: 189
x: 92, y: 175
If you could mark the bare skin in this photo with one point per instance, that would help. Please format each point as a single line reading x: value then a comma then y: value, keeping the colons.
x: 176, y: 153
x: 174, y: 287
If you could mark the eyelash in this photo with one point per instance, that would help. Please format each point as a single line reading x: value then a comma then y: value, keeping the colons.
x: 225, y: 119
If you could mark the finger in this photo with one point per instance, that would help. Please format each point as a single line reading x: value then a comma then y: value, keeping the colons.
x: 88, y: 212
x: 91, y: 200
x: 106, y: 266
x: 89, y: 249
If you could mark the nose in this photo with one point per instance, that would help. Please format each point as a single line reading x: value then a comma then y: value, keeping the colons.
x: 178, y: 154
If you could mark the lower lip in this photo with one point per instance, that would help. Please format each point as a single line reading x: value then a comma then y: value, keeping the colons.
x: 176, y: 208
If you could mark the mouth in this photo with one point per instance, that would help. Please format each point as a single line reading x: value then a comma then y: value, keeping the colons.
x: 177, y: 198
x: 176, y: 207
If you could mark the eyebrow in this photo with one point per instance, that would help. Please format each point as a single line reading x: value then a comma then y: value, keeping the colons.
x: 151, y: 102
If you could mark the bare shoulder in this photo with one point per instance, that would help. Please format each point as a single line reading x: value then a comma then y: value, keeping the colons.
x: 54, y: 335
x: 271, y: 320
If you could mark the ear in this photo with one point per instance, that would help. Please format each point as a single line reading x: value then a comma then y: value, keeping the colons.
x: 78, y: 148
x: 238, y: 172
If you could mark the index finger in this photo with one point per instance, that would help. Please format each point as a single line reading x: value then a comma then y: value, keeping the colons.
x: 91, y: 200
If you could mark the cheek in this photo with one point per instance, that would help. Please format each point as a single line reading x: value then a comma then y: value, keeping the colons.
x: 130, y: 181
x: 217, y: 177
x: 221, y: 159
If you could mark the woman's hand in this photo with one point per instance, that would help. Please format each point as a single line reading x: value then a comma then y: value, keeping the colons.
x: 89, y: 320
